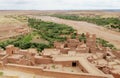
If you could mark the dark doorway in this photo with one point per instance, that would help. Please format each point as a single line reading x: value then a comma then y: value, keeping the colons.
x: 74, y: 64
x: 12, y: 52
x: 108, y: 54
x: 90, y: 51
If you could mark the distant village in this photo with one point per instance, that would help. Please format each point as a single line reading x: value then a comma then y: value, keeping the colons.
x: 69, y: 59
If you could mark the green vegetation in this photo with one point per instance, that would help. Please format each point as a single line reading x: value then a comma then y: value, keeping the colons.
x: 49, y: 31
x: 20, y: 18
x: 82, y: 37
x: 24, y: 42
x: 111, y: 23
x: 1, y: 73
x: 105, y: 43
x: 73, y: 36
x: 53, y: 66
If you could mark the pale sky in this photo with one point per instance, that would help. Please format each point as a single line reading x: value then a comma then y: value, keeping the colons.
x: 58, y: 4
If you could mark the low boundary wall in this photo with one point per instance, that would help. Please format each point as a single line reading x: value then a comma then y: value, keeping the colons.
x: 44, y: 72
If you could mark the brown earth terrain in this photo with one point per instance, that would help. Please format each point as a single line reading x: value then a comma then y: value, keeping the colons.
x: 10, y: 27
x: 49, y: 12
x: 83, y: 27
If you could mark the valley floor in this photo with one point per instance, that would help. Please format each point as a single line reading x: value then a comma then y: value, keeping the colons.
x: 83, y: 27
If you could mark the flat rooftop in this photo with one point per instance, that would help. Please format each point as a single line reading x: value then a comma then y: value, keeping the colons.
x: 49, y: 52
x: 83, y: 61
x: 16, y: 56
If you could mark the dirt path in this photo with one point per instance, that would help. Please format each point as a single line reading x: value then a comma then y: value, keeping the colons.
x: 83, y: 27
x: 19, y: 74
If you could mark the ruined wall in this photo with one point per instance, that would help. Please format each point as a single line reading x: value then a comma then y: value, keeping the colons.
x: 12, y: 60
x: 10, y: 49
x: 115, y: 75
x: 64, y: 50
x: 4, y: 59
x: 38, y: 71
x: 1, y: 65
x: 82, y: 50
x: 117, y: 54
x: 43, y: 60
x: 64, y: 63
x: 81, y: 67
x: 72, y: 45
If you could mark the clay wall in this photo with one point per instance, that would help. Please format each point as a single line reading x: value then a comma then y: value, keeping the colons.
x: 58, y: 45
x: 115, y: 75
x: 4, y: 59
x: 43, y: 60
x: 10, y: 50
x: 23, y: 62
x: 81, y: 67
x: 57, y: 74
x: 12, y: 60
x: 72, y: 45
x: 64, y: 50
x: 81, y: 50
x: 117, y: 54
x: 65, y: 63
x: 91, y: 40
x: 1, y: 65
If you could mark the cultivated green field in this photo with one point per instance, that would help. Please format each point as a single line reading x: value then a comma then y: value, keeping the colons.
x: 110, y: 22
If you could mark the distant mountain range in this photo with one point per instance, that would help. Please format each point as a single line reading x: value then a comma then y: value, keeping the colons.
x: 113, y: 10
x: 109, y: 10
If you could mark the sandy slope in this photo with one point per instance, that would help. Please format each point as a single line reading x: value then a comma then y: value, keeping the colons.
x: 111, y: 36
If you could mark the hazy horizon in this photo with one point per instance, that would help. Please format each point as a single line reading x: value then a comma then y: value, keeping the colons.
x: 59, y: 5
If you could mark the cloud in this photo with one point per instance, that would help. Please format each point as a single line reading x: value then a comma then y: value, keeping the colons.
x: 58, y: 4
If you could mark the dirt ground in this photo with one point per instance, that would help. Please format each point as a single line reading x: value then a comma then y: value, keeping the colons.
x: 22, y: 74
x: 10, y: 26
x: 83, y: 27
x: 111, y: 36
